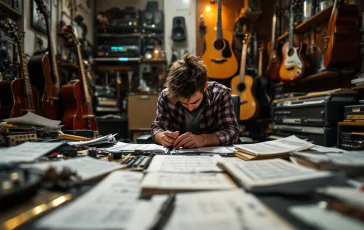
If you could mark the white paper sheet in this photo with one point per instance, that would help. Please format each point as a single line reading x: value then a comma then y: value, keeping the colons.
x: 228, y: 210
x: 193, y: 182
x: 352, y: 196
x: 33, y: 119
x: 86, y: 167
x: 283, y: 145
x: 26, y: 152
x: 129, y: 147
x: 180, y: 163
x: 323, y: 149
x: 97, y: 141
x: 223, y: 150
x: 110, y: 205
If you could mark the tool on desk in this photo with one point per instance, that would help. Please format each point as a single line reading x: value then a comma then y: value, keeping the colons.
x: 126, y: 158
x: 164, y: 213
x: 165, y: 128
x: 73, y: 137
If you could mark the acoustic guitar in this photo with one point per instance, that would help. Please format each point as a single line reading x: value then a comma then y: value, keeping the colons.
x: 43, y: 72
x: 78, y: 112
x: 293, y: 65
x: 243, y: 85
x: 343, y: 41
x: 17, y: 97
x: 273, y: 64
x: 218, y: 55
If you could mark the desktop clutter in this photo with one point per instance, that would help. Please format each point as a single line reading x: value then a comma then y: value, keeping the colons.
x: 93, y: 182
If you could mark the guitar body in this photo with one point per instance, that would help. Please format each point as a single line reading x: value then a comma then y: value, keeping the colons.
x: 40, y: 73
x: 218, y: 56
x: 250, y: 108
x: 344, y: 38
x: 293, y: 65
x: 76, y: 108
x: 13, y: 100
x: 273, y: 66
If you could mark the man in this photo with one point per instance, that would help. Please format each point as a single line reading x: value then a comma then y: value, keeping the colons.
x: 197, y: 113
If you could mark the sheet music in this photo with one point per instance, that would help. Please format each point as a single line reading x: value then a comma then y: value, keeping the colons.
x: 212, y: 149
x: 97, y: 141
x: 33, y: 119
x: 179, y: 181
x: 109, y: 205
x: 86, y: 167
x: 228, y: 210
x: 129, y: 147
x: 323, y: 149
x: 180, y: 163
x: 283, y: 145
x: 27, y: 152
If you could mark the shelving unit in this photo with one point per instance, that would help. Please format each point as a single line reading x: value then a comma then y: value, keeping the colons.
x: 321, y: 17
x: 248, y: 15
x: 317, y: 76
x: 8, y: 9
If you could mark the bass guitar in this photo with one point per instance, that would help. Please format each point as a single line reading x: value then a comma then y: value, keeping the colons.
x: 78, y: 112
x: 293, y: 65
x: 218, y: 55
x: 43, y: 72
x: 273, y: 64
x: 17, y: 97
x: 243, y: 85
x: 343, y: 41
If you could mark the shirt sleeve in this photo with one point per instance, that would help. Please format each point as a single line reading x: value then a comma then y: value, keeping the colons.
x: 161, y: 114
x: 228, y: 132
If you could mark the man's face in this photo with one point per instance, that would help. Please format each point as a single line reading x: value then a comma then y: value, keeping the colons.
x: 193, y: 103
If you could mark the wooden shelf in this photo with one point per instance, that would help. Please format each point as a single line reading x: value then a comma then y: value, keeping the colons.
x: 69, y: 66
x: 156, y: 61
x: 360, y: 87
x: 321, y: 75
x: 243, y: 15
x: 319, y: 18
x: 9, y: 10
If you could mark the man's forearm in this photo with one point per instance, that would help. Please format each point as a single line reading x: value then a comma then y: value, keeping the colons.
x: 210, y: 140
x: 158, y: 138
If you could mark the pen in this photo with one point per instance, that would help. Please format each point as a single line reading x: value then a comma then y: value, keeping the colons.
x: 164, y: 213
x: 163, y: 126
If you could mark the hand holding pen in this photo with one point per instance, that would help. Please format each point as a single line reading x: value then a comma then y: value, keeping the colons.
x: 168, y: 137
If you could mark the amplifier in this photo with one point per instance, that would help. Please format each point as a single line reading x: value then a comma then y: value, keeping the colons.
x: 105, y: 100
x: 312, y: 110
x: 354, y: 112
x: 128, y: 47
x: 149, y: 43
x: 118, y: 21
x: 16, y: 138
x: 152, y: 21
x: 9, y: 65
x: 318, y: 135
x: 352, y: 141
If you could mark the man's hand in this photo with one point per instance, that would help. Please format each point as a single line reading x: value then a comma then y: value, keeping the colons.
x: 168, y: 138
x: 189, y: 140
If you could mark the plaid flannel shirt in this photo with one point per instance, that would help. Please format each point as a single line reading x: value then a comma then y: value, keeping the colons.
x: 217, y: 118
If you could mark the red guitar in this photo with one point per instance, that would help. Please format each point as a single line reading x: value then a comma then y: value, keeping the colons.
x: 17, y: 97
x: 78, y: 113
x: 44, y: 72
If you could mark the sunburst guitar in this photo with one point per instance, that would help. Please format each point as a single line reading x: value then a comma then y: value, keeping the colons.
x: 218, y: 55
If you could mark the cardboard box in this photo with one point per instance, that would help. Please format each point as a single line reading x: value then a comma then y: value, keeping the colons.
x: 141, y: 111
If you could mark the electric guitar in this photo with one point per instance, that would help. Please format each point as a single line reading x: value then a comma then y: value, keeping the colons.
x: 293, y: 65
x: 78, y: 112
x: 243, y: 85
x: 17, y: 97
x: 43, y: 72
x: 218, y: 55
x: 273, y: 64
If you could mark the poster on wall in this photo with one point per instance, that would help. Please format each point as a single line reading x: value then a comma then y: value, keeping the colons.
x: 37, y: 19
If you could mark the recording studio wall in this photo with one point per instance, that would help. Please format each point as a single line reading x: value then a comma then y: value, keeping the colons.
x: 187, y: 10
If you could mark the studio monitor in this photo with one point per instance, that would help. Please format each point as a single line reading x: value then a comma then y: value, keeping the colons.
x: 179, y: 29
x: 152, y: 21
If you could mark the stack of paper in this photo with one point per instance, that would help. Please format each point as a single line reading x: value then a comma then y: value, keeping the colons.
x: 108, y: 139
x: 122, y: 147
x: 87, y: 168
x: 221, y: 150
x: 272, y: 149
x: 31, y: 121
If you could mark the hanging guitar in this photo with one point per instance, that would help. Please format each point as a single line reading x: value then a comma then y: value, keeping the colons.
x: 343, y: 41
x: 243, y: 85
x: 17, y: 97
x: 43, y: 72
x: 273, y: 64
x: 293, y: 65
x: 262, y: 86
x: 218, y: 55
x: 78, y: 113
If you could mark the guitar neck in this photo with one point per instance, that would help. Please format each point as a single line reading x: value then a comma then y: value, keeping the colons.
x: 26, y: 80
x: 52, y: 54
x: 274, y: 24
x: 219, y: 24
x: 260, y: 64
x: 291, y: 28
x: 243, y: 61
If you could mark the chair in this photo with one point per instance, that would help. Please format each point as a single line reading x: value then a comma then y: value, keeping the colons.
x: 147, y: 139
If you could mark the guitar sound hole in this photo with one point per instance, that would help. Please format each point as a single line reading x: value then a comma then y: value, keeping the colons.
x: 290, y: 52
x: 241, y: 87
x: 219, y: 44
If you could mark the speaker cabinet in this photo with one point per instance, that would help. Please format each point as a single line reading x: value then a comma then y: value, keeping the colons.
x: 179, y: 29
x: 152, y: 21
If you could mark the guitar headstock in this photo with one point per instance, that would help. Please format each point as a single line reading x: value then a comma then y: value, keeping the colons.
x: 42, y: 8
x: 247, y: 38
x: 69, y: 33
x: 12, y: 29
x: 262, y: 46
